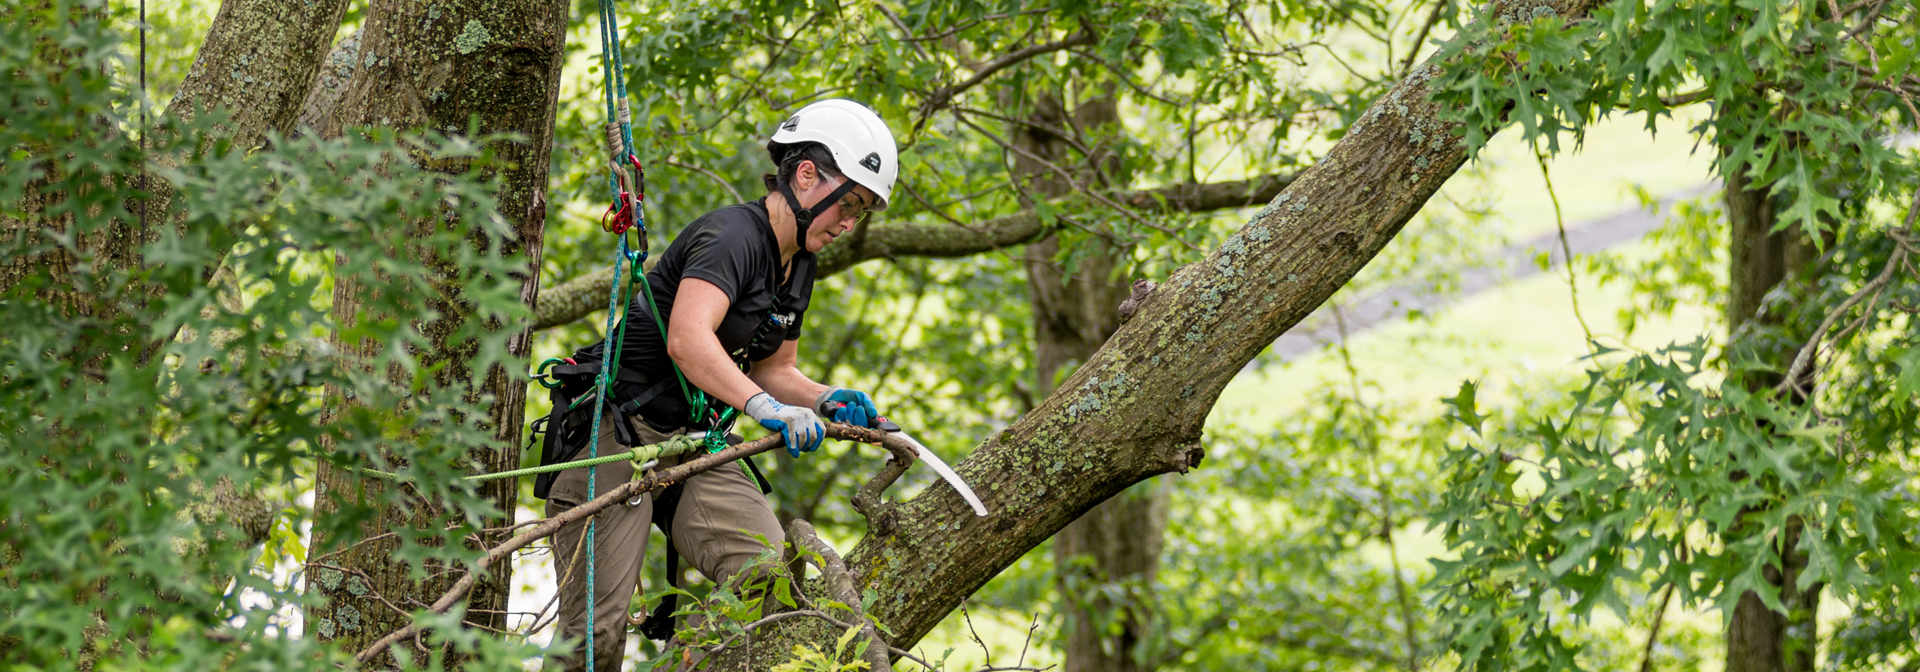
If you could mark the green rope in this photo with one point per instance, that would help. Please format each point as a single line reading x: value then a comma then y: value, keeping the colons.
x: 679, y: 443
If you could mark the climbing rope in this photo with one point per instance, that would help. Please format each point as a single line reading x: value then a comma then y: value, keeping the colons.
x: 625, y: 212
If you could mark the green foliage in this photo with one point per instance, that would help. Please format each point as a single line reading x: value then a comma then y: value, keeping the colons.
x: 1660, y: 475
x: 1800, y: 107
x: 160, y: 386
x: 1684, y: 470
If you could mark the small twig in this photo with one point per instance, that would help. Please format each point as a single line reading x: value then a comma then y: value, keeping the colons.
x: 703, y: 170
x: 950, y: 32
x: 1413, y: 54
x: 1566, y: 250
x: 1075, y: 183
x: 1894, y: 261
x: 904, y: 29
x: 1072, y: 138
x: 1653, y: 633
x: 840, y: 584
x: 1122, y: 75
x: 986, y: 654
x: 940, y: 97
x: 1028, y: 642
x: 365, y: 579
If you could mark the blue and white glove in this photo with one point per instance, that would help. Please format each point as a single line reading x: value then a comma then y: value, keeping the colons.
x: 852, y: 407
x: 799, y: 426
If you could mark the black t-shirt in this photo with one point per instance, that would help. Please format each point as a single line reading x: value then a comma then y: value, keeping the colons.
x: 734, y: 248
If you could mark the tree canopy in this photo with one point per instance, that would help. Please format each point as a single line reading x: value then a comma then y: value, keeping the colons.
x: 270, y: 306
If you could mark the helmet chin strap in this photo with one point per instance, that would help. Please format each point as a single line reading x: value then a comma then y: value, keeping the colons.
x: 803, y: 217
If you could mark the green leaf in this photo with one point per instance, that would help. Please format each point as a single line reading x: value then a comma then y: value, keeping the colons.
x: 1463, y: 407
x: 783, y: 591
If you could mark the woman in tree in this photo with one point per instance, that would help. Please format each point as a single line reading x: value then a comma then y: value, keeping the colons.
x: 733, y: 289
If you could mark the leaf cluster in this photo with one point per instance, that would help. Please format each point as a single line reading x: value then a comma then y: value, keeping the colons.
x: 170, y: 343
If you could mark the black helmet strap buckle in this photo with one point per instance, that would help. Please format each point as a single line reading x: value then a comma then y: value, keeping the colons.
x: 803, y: 217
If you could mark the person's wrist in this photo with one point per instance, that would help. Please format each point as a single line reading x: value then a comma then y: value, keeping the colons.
x: 761, y: 406
x: 826, y: 397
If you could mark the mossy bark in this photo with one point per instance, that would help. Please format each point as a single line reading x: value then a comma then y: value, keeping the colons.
x: 480, y: 66
x: 1136, y: 408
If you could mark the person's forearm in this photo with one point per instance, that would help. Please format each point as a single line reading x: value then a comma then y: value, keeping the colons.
x: 788, y: 385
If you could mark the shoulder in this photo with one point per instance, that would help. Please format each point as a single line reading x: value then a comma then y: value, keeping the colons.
x: 742, y: 225
x: 737, y: 218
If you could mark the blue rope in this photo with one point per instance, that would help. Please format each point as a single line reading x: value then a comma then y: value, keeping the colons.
x: 609, y: 61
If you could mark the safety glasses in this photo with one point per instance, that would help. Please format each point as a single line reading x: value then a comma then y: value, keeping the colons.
x: 854, y: 209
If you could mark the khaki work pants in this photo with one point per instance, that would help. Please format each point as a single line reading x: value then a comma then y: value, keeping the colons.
x: 723, y: 523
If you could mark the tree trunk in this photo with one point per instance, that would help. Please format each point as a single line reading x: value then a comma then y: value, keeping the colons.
x: 443, y: 66
x: 1760, y: 639
x: 1136, y: 408
x: 1119, y: 541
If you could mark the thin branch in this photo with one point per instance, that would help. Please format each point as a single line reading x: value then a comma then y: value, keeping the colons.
x: 904, y: 30
x: 1072, y: 138
x: 1805, y: 357
x: 1413, y: 54
x: 753, y: 87
x: 950, y: 32
x: 1122, y: 75
x: 703, y: 170
x: 1075, y: 183
x: 1873, y: 15
x: 1653, y: 633
x: 1566, y: 250
x: 940, y: 97
x: 840, y: 585
x: 1009, y: 60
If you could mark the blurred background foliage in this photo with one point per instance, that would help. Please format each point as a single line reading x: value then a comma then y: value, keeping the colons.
x: 1346, y: 517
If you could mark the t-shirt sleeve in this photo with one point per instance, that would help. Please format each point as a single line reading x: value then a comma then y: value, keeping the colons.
x: 718, y: 256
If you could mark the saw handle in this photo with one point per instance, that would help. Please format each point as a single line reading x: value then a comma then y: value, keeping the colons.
x: 879, y: 422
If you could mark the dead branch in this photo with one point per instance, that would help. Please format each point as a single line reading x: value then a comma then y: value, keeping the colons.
x: 839, y: 584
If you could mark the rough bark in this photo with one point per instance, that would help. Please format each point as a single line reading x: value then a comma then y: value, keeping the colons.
x: 1762, y: 259
x: 257, y: 65
x: 576, y: 298
x: 335, y: 71
x: 1135, y: 410
x: 1119, y: 541
x: 494, y: 64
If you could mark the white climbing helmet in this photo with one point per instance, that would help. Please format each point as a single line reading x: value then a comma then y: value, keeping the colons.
x: 859, y: 141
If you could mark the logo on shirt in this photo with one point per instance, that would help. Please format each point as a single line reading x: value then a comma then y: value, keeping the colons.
x: 782, y: 320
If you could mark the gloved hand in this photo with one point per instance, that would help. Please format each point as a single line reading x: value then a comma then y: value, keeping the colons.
x: 853, y: 407
x: 799, y: 426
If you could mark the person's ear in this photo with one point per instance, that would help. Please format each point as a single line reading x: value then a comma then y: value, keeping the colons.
x: 806, y: 175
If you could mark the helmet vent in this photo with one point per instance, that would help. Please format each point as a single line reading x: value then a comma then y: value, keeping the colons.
x: 793, y: 123
x: 871, y: 161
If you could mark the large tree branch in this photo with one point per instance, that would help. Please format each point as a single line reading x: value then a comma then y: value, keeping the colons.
x: 257, y: 64
x: 1135, y: 410
x: 581, y: 296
